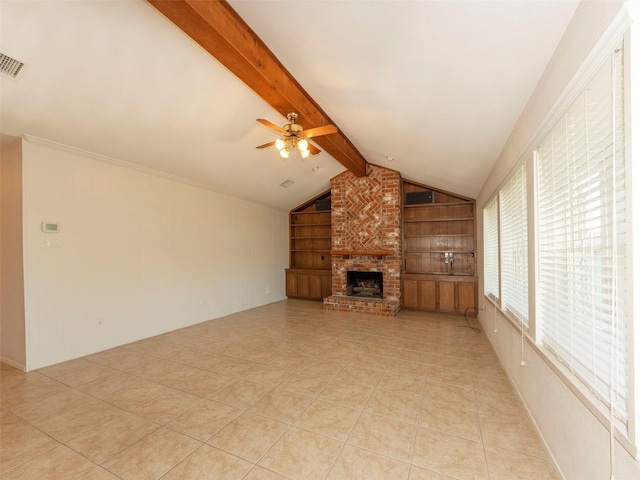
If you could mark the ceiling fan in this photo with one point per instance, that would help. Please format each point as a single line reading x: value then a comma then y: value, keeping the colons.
x: 294, y: 136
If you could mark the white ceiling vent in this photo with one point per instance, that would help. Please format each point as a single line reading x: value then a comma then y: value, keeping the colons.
x: 10, y: 67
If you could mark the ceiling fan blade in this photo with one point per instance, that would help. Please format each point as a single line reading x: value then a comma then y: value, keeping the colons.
x: 270, y: 125
x: 270, y: 144
x: 318, y: 131
x: 313, y: 150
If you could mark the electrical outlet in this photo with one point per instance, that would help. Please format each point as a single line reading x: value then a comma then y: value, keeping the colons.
x: 100, y: 323
x: 267, y: 291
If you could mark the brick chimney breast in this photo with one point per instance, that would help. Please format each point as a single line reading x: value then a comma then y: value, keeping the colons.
x: 366, y: 216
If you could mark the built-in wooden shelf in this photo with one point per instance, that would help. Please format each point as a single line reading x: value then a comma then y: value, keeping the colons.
x: 328, y: 224
x: 450, y: 219
x: 308, y: 250
x: 373, y: 253
x: 309, y: 272
x: 437, y: 223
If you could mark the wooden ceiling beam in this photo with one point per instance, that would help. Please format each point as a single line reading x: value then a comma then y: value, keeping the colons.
x: 215, y: 26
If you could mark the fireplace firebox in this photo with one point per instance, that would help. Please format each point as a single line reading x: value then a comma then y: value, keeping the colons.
x: 364, y: 284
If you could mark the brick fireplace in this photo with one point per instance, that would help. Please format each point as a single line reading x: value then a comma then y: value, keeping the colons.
x: 366, y: 237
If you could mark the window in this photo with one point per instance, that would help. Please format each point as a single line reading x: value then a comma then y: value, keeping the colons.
x: 582, y: 289
x: 491, y: 259
x: 513, y: 247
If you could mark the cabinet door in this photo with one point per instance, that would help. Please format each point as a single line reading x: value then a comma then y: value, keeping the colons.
x: 303, y: 285
x: 315, y: 286
x: 292, y: 284
x: 410, y: 293
x: 467, y: 297
x: 326, y: 286
x: 447, y: 296
x: 428, y: 294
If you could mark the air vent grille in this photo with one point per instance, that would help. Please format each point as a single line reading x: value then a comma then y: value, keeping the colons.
x: 10, y: 66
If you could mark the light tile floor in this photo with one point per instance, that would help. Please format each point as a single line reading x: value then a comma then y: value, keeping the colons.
x: 284, y: 391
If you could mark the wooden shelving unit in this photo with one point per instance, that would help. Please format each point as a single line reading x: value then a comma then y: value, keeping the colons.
x: 435, y: 224
x: 438, y: 226
x: 309, y: 272
x: 432, y: 230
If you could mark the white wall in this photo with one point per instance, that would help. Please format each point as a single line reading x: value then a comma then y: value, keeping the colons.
x: 576, y: 439
x: 12, y: 334
x: 142, y: 252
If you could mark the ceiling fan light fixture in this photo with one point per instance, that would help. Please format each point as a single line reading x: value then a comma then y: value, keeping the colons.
x: 293, y: 137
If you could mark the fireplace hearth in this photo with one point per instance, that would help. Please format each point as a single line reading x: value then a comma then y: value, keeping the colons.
x: 364, y: 284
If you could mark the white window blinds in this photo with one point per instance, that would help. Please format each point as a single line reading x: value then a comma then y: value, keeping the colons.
x: 490, y: 223
x: 582, y: 238
x: 513, y: 246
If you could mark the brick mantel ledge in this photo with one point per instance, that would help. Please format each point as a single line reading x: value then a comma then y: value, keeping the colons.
x: 373, y: 253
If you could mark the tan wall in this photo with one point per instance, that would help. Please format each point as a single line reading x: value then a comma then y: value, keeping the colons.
x: 575, y: 437
x: 12, y: 319
x: 138, y: 253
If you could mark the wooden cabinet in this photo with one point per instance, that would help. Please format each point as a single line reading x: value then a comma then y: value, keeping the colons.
x: 291, y: 284
x: 468, y: 297
x: 310, y: 234
x: 309, y: 273
x: 446, y: 297
x: 419, y: 294
x: 439, y: 250
x: 437, y: 294
x: 312, y: 284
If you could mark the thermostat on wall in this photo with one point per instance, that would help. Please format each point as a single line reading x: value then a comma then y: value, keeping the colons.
x: 50, y: 227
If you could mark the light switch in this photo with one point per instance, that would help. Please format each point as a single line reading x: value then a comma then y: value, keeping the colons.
x: 56, y: 242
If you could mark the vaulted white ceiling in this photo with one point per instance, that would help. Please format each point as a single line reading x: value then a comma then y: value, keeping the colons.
x: 437, y: 85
